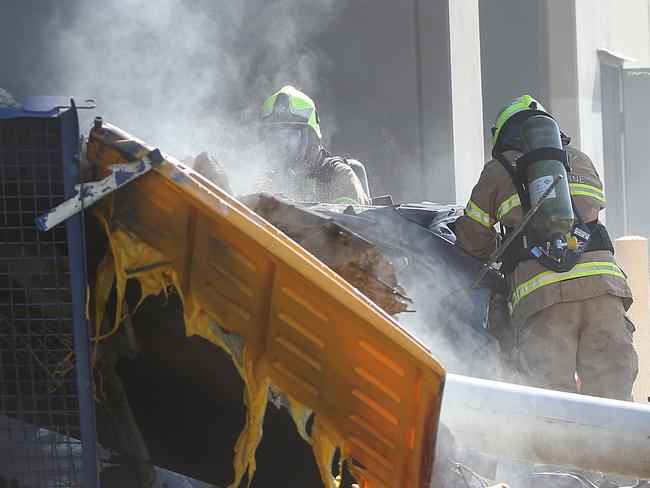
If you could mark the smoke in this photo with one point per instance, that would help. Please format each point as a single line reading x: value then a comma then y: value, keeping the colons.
x: 186, y: 76
x: 446, y: 314
x: 6, y: 99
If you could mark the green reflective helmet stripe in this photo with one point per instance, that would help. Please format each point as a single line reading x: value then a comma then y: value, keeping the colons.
x: 347, y: 201
x: 267, y: 106
x: 517, y: 105
x: 507, y: 205
x: 299, y: 104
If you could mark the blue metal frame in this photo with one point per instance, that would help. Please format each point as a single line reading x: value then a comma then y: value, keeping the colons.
x: 78, y: 284
x: 42, y: 106
x: 65, y: 109
x: 42, y: 413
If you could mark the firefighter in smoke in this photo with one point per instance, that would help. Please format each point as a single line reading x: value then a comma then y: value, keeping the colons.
x: 568, y: 298
x: 302, y: 168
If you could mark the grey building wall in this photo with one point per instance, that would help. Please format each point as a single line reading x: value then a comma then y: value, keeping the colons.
x: 602, y: 37
x: 405, y: 85
x: 514, y: 56
x: 466, y: 95
x: 621, y: 27
x: 383, y: 85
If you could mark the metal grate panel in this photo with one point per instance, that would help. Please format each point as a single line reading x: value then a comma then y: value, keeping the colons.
x: 39, y: 421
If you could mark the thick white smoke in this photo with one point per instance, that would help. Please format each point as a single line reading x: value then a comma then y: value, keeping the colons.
x: 188, y: 76
x: 6, y: 99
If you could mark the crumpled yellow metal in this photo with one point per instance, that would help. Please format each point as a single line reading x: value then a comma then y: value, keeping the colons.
x: 288, y: 322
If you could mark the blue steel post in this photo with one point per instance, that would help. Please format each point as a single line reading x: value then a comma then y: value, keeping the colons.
x: 78, y: 281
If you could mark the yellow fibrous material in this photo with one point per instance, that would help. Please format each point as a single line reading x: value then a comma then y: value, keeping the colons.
x: 127, y: 255
x: 156, y: 276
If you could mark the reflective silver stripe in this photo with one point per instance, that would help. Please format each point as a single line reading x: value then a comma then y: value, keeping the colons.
x: 548, y: 277
x: 481, y: 216
x: 587, y: 191
x: 508, y: 205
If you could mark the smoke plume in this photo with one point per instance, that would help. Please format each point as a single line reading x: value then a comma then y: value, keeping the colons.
x: 186, y: 76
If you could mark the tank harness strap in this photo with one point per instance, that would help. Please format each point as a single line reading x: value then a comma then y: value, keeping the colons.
x: 592, y: 236
x: 541, y: 154
x: 516, y: 180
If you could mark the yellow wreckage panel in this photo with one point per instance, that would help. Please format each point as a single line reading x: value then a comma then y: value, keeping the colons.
x: 287, y: 320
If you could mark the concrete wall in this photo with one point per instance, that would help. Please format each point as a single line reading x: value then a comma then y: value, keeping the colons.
x: 513, y: 59
x: 406, y: 95
x: 618, y: 26
x: 563, y: 66
x: 466, y: 95
x: 621, y: 27
x: 636, y: 170
x: 368, y: 99
x: 632, y: 256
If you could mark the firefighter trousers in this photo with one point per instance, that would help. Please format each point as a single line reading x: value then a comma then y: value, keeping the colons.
x: 591, y: 338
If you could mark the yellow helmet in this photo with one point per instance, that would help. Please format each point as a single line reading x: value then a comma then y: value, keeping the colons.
x: 525, y: 105
x: 290, y: 129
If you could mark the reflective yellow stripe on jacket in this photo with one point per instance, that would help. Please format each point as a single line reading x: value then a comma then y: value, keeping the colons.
x: 507, y: 205
x: 574, y: 188
x: 477, y: 213
x: 587, y: 191
x: 548, y: 277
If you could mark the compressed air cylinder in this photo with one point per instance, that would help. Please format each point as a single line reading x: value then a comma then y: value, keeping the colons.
x: 555, y: 216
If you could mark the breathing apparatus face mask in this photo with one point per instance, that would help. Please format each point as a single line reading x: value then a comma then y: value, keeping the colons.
x: 285, y: 147
x: 291, y: 149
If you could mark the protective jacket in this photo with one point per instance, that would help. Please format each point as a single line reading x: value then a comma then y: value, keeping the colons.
x: 534, y: 287
x: 334, y: 181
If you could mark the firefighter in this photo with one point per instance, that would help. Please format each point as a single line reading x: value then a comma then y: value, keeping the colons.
x: 571, y: 319
x: 290, y: 129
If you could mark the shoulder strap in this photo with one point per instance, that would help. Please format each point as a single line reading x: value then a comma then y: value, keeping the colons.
x: 541, y: 154
x: 516, y: 180
x: 336, y: 159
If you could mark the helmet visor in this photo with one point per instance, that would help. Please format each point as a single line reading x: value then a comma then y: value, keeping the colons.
x: 284, y: 146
